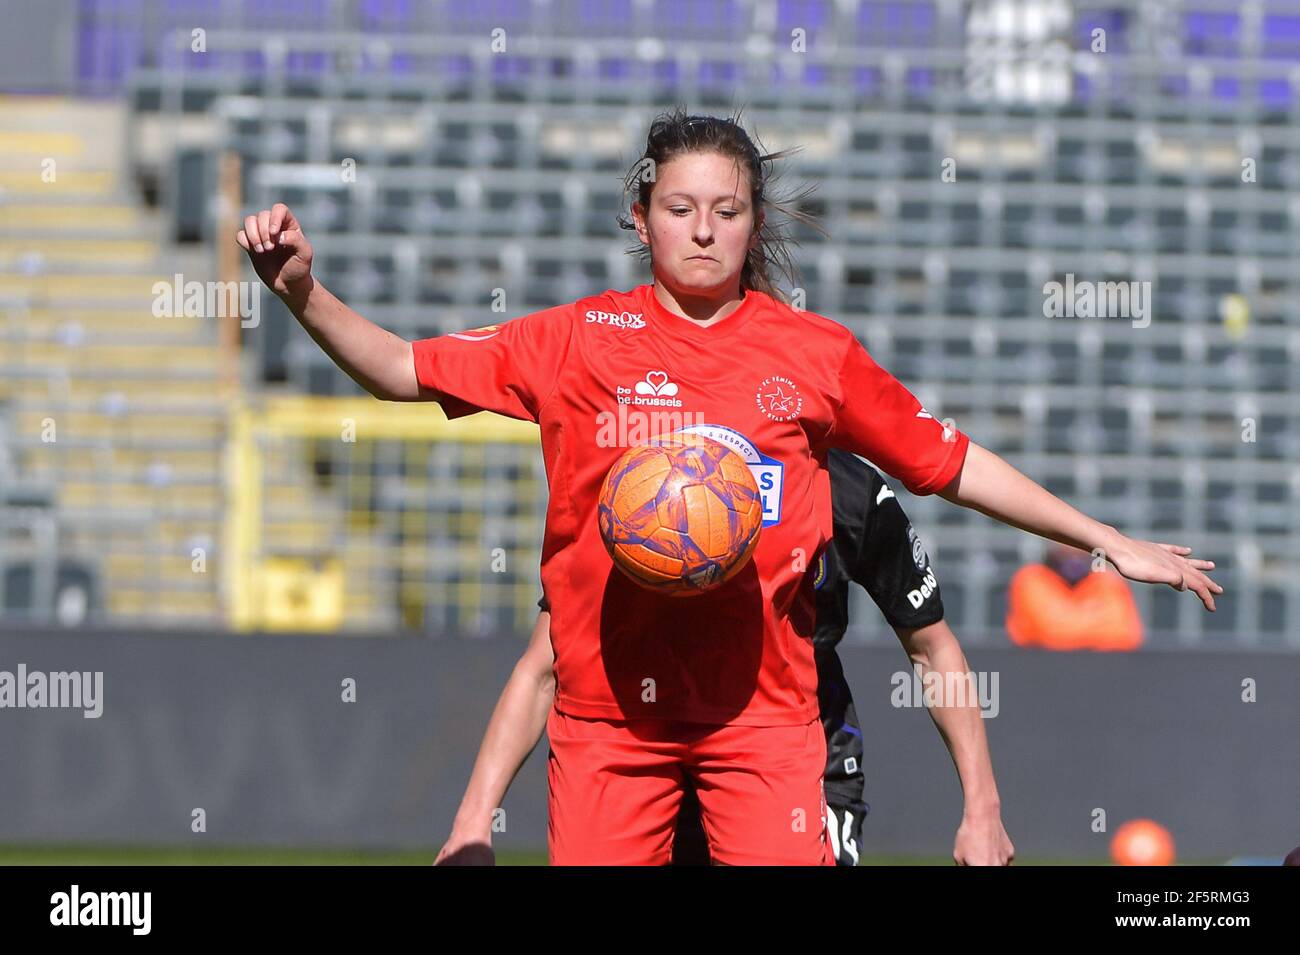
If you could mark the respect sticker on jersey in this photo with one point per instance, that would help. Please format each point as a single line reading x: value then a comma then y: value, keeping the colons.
x: 769, y: 473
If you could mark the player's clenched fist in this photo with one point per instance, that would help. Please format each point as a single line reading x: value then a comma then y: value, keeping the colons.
x: 280, y: 252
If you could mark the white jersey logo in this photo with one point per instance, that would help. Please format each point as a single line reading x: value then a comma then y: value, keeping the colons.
x: 656, y: 383
x: 778, y: 397
x: 617, y: 319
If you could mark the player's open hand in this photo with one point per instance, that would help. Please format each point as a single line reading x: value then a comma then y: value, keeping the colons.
x: 465, y: 850
x: 1170, y: 564
x: 981, y: 840
x: 280, y: 253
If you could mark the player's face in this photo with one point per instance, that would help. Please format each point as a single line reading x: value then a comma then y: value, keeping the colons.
x: 700, y: 224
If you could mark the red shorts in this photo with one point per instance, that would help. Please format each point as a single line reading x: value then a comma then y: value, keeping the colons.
x: 616, y: 788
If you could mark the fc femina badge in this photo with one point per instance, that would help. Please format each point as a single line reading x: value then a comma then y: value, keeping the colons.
x: 779, y: 398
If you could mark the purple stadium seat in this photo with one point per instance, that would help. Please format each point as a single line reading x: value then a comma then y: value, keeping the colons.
x: 1211, y: 34
x: 896, y: 24
x: 1281, y: 39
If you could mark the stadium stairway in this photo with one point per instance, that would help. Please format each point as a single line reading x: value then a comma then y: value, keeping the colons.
x: 113, y: 411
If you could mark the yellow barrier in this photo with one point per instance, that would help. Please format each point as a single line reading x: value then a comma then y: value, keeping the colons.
x: 265, y: 590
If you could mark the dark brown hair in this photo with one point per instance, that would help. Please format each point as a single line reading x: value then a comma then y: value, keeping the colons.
x: 675, y: 133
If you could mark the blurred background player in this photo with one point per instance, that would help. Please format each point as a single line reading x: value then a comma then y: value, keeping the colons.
x: 1072, y: 602
x: 873, y: 544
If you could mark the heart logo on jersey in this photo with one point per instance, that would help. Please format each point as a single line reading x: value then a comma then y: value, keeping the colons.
x: 656, y: 383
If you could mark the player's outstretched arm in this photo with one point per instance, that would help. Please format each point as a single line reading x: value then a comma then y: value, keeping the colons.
x: 514, y: 729
x: 981, y: 838
x: 376, y: 359
x: 990, y: 485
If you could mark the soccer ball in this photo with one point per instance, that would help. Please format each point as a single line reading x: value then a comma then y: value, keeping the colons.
x: 680, y: 515
x: 1142, y: 842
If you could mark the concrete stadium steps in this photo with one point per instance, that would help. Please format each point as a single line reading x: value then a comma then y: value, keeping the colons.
x: 104, y: 219
x: 69, y: 183
x: 160, y: 607
x: 103, y: 359
x: 116, y: 460
x: 105, y: 394
x: 138, y: 464
x: 19, y: 146
x: 78, y: 134
x: 78, y: 289
x: 132, y: 425
x: 67, y: 355
x: 134, y: 325
x: 44, y: 252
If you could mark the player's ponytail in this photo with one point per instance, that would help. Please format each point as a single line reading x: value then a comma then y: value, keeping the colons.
x: 675, y: 133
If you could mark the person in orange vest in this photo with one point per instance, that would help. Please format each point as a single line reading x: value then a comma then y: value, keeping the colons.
x: 1072, y: 602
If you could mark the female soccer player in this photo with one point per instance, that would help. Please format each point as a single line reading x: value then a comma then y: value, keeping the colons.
x: 719, y: 688
x: 874, y: 544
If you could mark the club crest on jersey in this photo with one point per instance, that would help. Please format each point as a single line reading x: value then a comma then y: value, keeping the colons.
x: 478, y: 334
x: 778, y: 397
x: 769, y: 473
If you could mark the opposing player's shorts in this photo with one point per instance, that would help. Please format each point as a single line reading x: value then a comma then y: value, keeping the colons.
x: 616, y: 787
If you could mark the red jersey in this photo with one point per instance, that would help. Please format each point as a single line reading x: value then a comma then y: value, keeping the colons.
x: 777, y: 385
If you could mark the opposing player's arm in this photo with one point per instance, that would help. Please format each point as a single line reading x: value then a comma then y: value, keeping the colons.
x: 891, y: 563
x: 888, y: 559
x: 517, y: 723
x: 981, y: 837
x: 376, y: 359
x: 884, y: 555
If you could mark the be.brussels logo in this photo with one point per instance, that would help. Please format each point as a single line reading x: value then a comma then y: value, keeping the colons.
x: 656, y: 388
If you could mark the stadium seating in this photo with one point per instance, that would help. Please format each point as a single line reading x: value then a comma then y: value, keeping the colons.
x: 478, y: 171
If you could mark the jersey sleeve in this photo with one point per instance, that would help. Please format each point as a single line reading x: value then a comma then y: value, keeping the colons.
x: 878, y: 418
x: 886, y: 556
x: 509, y: 368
